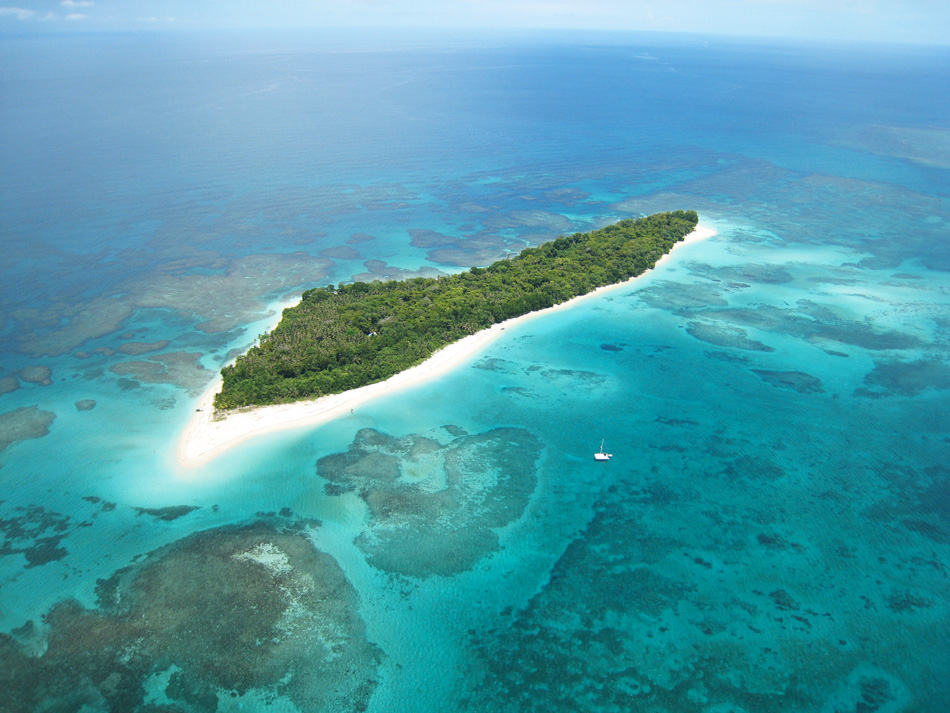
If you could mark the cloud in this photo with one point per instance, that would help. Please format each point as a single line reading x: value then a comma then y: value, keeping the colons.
x: 17, y: 12
x: 77, y: 3
x: 157, y: 19
x: 76, y: 16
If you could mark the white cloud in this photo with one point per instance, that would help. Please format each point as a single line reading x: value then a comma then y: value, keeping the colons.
x: 77, y: 3
x: 157, y: 19
x: 17, y: 12
x: 76, y: 16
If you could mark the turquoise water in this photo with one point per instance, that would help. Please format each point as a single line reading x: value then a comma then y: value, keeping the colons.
x: 773, y: 532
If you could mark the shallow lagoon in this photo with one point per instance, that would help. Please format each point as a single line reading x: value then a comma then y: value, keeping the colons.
x: 774, y: 530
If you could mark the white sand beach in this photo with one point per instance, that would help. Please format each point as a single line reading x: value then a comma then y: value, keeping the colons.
x: 205, y: 438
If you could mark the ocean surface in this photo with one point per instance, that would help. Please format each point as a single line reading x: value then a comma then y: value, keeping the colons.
x: 773, y: 532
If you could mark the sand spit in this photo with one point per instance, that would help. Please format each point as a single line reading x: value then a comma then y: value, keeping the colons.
x: 204, y: 438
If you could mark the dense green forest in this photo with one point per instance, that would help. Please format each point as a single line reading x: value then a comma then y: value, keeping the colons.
x: 341, y: 338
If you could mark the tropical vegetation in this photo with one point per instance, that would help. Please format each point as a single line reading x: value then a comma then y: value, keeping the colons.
x: 341, y: 338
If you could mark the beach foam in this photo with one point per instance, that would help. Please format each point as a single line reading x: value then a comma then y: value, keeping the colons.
x: 204, y: 437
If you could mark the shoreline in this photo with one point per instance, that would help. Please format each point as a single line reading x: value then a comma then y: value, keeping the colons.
x: 203, y: 439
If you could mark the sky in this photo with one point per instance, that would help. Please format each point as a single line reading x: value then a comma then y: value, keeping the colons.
x: 912, y: 21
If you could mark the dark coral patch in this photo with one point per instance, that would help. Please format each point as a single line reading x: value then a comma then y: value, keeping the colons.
x: 341, y: 252
x: 900, y: 378
x: 219, y: 291
x: 905, y: 601
x: 784, y: 601
x: 44, y: 551
x: 870, y: 690
x: 228, y: 611
x: 574, y: 633
x: 723, y: 336
x: 495, y: 364
x: 935, y: 498
x: 753, y: 468
x: 138, y: 348
x: 928, y: 530
x: 675, y: 421
x: 799, y: 381
x: 815, y: 324
x: 519, y: 391
x: 23, y: 424
x: 36, y: 533
x: 180, y: 368
x: 749, y: 272
x: 479, y: 249
x: 422, y: 238
x: 172, y: 512
x: 37, y: 374
x: 727, y: 357
x: 544, y: 219
x: 577, y: 377
x: 8, y: 384
x: 680, y: 297
x: 434, y: 508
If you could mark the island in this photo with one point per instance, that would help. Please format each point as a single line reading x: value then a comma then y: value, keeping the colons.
x: 553, y: 276
x: 341, y: 338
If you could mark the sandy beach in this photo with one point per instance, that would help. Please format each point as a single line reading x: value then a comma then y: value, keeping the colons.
x: 203, y: 438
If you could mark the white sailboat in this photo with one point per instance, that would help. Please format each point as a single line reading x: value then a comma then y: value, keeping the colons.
x: 601, y: 455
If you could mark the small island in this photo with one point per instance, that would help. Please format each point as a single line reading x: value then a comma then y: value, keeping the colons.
x: 338, y: 339
x: 210, y: 433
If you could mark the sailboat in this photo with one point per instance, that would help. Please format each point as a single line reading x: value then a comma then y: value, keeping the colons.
x: 601, y: 455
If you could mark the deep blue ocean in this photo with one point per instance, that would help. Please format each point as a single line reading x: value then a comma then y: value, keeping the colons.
x: 773, y: 532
